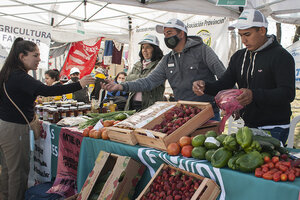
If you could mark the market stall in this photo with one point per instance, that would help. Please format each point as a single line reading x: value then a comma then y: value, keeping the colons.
x: 77, y: 152
x: 233, y: 184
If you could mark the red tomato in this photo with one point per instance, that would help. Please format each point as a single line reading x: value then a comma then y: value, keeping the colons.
x: 265, y: 169
x: 291, y: 177
x: 267, y: 159
x: 288, y: 164
x: 271, y: 165
x: 283, y: 168
x: 275, y: 159
x: 276, y: 177
x: 258, y: 173
x: 267, y: 176
x: 173, y: 149
x: 185, y: 140
x: 283, y: 177
x: 186, y: 151
x: 86, y: 132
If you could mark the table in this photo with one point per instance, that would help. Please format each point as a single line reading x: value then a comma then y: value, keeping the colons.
x: 234, y: 185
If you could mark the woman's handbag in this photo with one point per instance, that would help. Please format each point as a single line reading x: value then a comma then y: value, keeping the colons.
x: 34, y: 125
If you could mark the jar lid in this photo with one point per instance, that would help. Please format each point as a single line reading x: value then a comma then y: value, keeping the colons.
x: 80, y: 103
x: 73, y: 108
x: 65, y: 108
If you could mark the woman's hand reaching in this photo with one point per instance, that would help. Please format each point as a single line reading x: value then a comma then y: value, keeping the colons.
x: 86, y: 80
x: 111, y: 86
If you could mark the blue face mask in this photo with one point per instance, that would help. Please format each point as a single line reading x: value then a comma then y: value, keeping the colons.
x: 147, y: 60
x: 172, y: 42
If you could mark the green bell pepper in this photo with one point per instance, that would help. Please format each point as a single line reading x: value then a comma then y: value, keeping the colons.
x: 255, y: 146
x: 230, y: 143
x: 244, y: 137
x: 220, y: 157
x: 232, y: 161
x: 249, y: 161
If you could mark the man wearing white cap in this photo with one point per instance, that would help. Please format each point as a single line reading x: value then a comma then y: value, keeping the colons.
x: 80, y: 95
x: 189, y: 60
x: 264, y: 71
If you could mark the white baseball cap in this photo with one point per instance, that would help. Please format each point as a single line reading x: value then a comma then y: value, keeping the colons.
x: 172, y: 23
x: 250, y: 18
x: 100, y: 70
x: 74, y: 70
x: 150, y: 39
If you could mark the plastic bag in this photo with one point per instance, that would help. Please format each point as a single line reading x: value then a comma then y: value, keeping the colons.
x: 226, y: 100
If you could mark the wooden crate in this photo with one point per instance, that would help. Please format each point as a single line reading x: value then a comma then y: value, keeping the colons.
x: 158, y: 140
x: 208, y: 126
x: 208, y: 189
x: 121, y: 135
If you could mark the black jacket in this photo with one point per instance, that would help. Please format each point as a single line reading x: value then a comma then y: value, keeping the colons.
x: 23, y: 90
x: 272, y: 81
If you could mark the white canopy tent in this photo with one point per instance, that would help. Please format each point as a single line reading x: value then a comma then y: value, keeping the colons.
x: 115, y: 18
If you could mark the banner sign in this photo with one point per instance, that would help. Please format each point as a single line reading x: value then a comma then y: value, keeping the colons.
x: 69, y: 148
x: 213, y: 31
x: 40, y: 163
x: 242, y: 3
x: 294, y: 49
x: 10, y: 30
x: 81, y: 56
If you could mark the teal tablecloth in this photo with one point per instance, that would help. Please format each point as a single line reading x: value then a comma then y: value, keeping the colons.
x: 234, y: 185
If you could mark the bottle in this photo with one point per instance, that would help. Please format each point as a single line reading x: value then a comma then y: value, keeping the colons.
x: 111, y: 106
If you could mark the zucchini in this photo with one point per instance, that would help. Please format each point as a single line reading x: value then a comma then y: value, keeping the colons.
x: 282, y: 150
x: 271, y: 140
x: 266, y: 146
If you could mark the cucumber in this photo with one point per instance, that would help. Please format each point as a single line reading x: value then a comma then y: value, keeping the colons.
x: 271, y: 140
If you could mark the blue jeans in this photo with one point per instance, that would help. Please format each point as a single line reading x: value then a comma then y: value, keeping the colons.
x: 216, y: 117
x: 279, y: 133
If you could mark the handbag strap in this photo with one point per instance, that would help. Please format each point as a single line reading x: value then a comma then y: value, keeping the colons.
x: 16, y: 106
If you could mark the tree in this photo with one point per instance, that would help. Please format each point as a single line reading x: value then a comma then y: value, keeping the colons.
x: 297, y: 34
x: 278, y: 32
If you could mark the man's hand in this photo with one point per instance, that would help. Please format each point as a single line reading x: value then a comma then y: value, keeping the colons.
x: 86, y: 80
x: 246, y: 97
x: 111, y: 86
x: 199, y: 87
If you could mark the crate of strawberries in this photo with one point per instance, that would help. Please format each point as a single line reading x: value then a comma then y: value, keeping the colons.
x: 182, y: 119
x: 172, y: 183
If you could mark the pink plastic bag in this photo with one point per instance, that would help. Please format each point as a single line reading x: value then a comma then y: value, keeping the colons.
x: 226, y: 100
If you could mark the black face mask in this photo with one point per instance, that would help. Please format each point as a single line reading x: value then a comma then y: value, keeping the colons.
x: 172, y: 41
x: 75, y: 79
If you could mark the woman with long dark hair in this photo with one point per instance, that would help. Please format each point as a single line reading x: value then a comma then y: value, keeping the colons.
x: 52, y: 77
x: 14, y: 131
x: 150, y: 54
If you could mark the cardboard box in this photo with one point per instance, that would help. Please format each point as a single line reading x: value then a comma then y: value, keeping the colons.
x: 208, y: 126
x: 121, y: 182
x: 207, y: 190
x: 149, y: 138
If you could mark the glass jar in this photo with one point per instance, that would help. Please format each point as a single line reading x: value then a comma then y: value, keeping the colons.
x: 64, y: 112
x: 45, y: 113
x: 58, y: 103
x: 41, y: 112
x: 105, y: 108
x: 80, y: 110
x: 55, y: 115
x: 50, y: 114
x: 71, y: 112
x: 87, y: 109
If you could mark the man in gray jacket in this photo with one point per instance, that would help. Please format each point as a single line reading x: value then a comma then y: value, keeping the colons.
x: 189, y: 60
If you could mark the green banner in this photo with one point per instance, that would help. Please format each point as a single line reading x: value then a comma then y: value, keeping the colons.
x: 54, y: 133
x: 231, y: 2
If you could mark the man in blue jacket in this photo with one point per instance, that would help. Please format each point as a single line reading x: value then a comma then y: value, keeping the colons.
x: 189, y: 60
x: 264, y: 71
